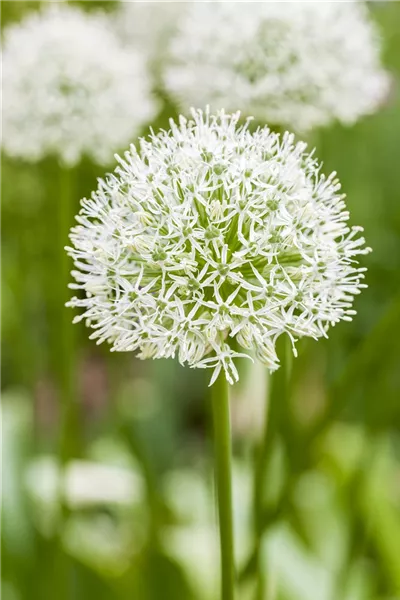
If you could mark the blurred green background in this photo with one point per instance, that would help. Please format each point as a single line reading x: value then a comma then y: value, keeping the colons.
x: 138, y: 516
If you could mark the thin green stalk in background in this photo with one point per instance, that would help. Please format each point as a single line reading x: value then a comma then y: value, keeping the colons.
x: 154, y: 501
x: 223, y: 477
x: 63, y: 359
x: 277, y: 398
x: 66, y: 349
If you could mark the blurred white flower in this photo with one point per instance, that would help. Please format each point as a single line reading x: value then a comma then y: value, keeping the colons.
x: 103, y: 539
x: 84, y: 483
x: 210, y: 232
x: 302, y: 64
x: 148, y: 27
x: 70, y: 88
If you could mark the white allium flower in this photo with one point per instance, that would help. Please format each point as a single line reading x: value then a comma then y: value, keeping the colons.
x: 70, y: 88
x: 302, y: 64
x: 209, y: 233
x: 148, y: 27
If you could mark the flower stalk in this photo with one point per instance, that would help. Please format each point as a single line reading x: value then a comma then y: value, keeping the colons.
x: 65, y: 350
x: 63, y: 355
x: 223, y: 477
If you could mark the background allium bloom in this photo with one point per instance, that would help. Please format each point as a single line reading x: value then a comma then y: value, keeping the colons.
x: 70, y: 88
x: 209, y: 232
x: 302, y: 65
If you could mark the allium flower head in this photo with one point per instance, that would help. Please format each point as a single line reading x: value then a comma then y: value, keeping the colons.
x: 209, y: 233
x: 70, y: 88
x: 302, y: 64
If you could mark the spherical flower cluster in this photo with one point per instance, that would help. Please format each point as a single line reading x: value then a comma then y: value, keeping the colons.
x: 302, y: 65
x: 209, y: 233
x: 70, y: 88
x: 148, y: 27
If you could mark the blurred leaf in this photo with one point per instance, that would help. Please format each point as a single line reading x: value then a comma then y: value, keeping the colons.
x: 381, y: 513
x: 17, y: 412
x: 153, y: 576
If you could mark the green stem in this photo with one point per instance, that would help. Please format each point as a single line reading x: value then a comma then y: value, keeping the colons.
x: 223, y: 476
x: 63, y: 361
x: 154, y: 501
x: 66, y: 363
x: 277, y: 396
